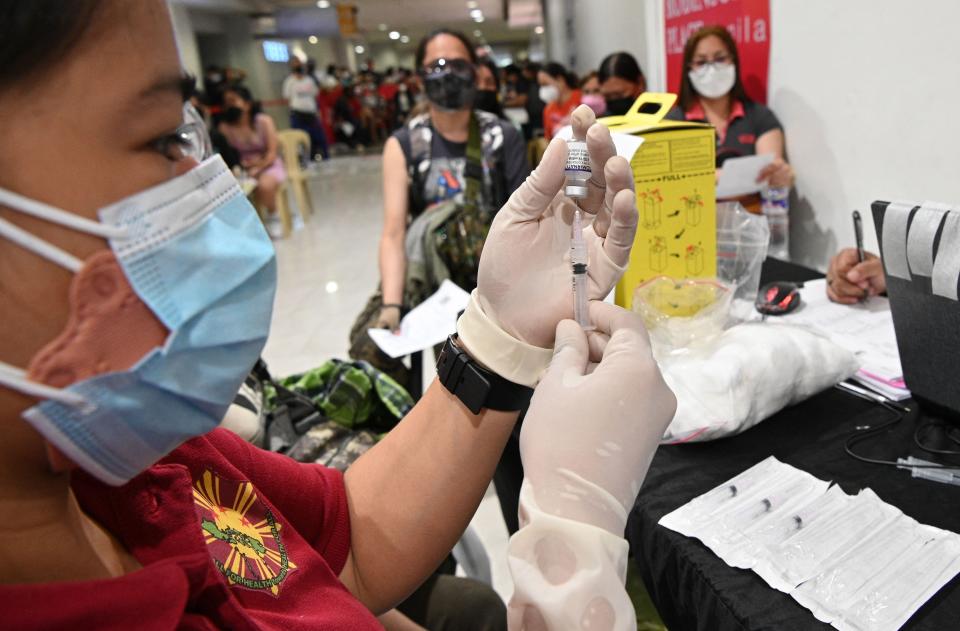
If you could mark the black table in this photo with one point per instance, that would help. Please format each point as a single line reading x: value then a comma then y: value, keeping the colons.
x: 693, y: 589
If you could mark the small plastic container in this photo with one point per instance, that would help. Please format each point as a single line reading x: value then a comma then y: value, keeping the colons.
x: 680, y: 313
x: 577, y: 169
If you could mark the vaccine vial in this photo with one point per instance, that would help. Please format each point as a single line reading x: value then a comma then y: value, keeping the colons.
x: 577, y: 170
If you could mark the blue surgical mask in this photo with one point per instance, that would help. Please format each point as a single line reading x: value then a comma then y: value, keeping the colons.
x: 195, y: 253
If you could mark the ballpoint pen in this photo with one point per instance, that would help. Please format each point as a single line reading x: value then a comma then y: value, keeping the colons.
x: 858, y: 234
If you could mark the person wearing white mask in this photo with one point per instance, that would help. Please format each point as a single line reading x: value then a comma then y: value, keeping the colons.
x: 558, y: 90
x: 711, y: 91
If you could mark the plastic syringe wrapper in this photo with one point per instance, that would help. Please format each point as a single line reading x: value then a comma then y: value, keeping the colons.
x: 854, y: 561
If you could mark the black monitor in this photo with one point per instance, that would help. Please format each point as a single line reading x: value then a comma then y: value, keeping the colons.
x: 926, y: 312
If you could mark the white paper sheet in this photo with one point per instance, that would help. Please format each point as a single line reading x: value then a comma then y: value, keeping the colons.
x: 426, y: 325
x: 626, y: 144
x: 739, y: 175
x: 865, y: 329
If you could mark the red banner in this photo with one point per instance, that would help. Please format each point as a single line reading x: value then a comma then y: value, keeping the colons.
x: 747, y: 20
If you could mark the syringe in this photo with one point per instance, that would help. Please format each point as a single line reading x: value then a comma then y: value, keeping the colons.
x: 578, y: 260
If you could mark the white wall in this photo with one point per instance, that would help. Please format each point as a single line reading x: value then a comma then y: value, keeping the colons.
x: 868, y: 94
x: 186, y: 39
x: 605, y: 27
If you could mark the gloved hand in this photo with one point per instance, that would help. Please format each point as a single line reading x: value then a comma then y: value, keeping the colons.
x: 593, y: 423
x: 389, y: 318
x: 524, y: 281
x: 593, y: 426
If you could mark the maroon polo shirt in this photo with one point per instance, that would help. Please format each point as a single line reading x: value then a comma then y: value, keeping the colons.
x: 746, y: 123
x: 229, y: 536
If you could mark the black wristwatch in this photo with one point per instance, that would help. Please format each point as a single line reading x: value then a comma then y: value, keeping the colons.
x: 476, y: 386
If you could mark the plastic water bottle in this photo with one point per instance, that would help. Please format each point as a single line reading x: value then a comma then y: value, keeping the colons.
x: 776, y: 208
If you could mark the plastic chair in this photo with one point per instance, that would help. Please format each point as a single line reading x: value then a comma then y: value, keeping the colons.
x: 291, y: 141
x: 283, y: 207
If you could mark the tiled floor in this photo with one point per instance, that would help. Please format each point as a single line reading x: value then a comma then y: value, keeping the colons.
x: 328, y: 269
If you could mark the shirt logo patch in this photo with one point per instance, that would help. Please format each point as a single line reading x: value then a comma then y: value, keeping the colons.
x: 243, y: 537
x: 746, y: 139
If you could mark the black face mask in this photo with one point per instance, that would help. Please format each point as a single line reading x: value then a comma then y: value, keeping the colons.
x: 232, y: 115
x: 450, y: 84
x: 619, y: 107
x: 486, y: 100
x: 450, y: 92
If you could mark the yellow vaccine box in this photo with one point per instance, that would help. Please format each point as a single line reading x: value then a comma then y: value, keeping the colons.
x: 674, y: 171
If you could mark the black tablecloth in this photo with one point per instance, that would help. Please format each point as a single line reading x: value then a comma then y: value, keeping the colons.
x: 693, y: 589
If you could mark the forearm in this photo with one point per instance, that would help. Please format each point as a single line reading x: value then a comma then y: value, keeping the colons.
x: 413, y: 494
x: 393, y: 263
x: 268, y: 158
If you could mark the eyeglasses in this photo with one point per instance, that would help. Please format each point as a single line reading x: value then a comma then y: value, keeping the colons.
x: 189, y: 140
x: 194, y: 137
x: 700, y: 62
x: 445, y: 67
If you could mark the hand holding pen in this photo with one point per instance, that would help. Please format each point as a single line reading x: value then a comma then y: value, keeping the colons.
x: 854, y: 273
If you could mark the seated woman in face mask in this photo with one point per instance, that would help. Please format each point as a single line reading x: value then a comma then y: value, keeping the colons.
x: 254, y: 135
x: 424, y: 161
x: 558, y: 89
x: 621, y: 82
x: 711, y: 91
x: 488, y: 88
x: 592, y: 96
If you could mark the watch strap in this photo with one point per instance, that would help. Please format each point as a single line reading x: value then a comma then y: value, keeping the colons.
x: 475, y: 386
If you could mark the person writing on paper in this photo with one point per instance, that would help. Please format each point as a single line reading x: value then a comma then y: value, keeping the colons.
x: 138, y: 287
x: 711, y: 91
x: 849, y: 280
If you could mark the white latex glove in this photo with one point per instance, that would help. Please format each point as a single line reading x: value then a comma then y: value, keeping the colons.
x: 593, y: 426
x: 524, y: 282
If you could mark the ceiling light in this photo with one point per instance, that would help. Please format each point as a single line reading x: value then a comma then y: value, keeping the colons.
x: 476, y: 13
x: 538, y: 30
x: 394, y: 35
x: 404, y: 39
x: 323, y: 4
x: 382, y: 27
x: 313, y: 39
x: 478, y: 19
x: 358, y: 49
x: 472, y: 4
x: 332, y: 287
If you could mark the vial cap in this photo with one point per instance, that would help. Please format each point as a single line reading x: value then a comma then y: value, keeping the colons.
x: 576, y: 192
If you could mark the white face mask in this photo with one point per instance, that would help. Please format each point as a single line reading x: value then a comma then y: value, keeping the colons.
x: 713, y: 80
x: 549, y: 93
